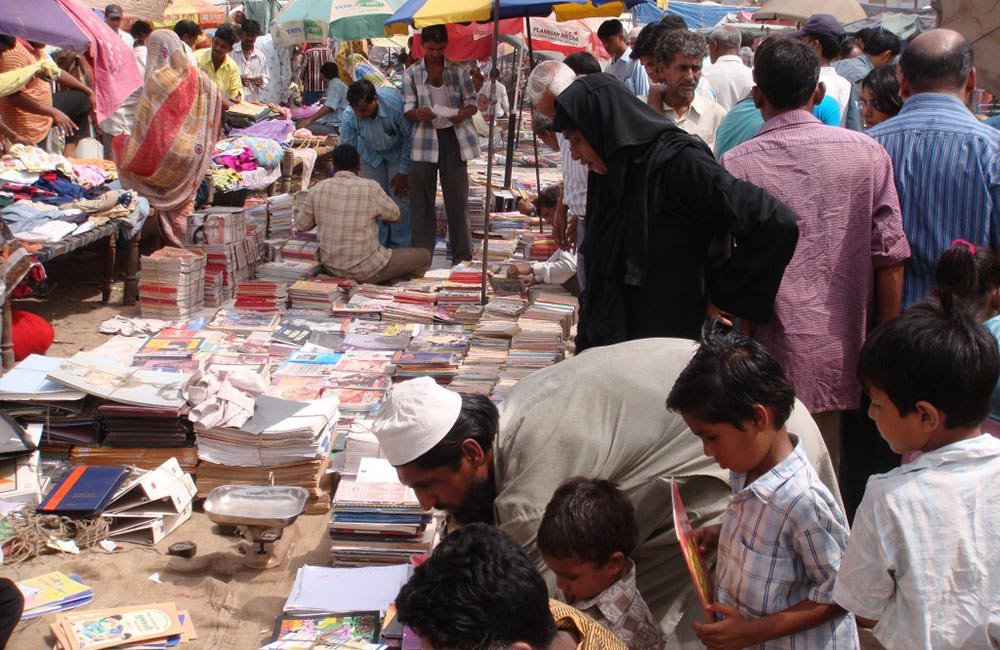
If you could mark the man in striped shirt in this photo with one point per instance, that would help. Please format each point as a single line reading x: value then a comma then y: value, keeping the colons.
x: 946, y: 162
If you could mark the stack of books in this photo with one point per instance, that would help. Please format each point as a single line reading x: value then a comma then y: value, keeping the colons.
x: 441, y: 366
x: 318, y: 293
x: 301, y: 249
x: 137, y: 426
x: 213, y: 287
x: 157, y: 625
x: 280, y: 216
x: 262, y: 297
x: 172, y: 283
x: 538, y: 246
x: 237, y: 262
x: 290, y: 439
x: 216, y: 226
x: 358, y: 392
x: 288, y: 270
x: 377, y: 523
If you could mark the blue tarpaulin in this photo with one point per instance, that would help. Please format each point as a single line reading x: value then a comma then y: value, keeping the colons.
x: 696, y: 15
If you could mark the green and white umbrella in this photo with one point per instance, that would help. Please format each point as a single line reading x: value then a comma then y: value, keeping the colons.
x: 314, y: 21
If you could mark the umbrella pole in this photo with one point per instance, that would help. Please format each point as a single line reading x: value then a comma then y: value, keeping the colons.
x: 534, y: 138
x: 514, y: 119
x: 494, y: 73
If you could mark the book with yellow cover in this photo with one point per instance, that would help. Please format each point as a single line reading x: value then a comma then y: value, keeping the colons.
x: 52, y: 592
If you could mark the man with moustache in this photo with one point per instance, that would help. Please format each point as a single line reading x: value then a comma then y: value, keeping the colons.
x: 678, y: 57
x: 600, y: 414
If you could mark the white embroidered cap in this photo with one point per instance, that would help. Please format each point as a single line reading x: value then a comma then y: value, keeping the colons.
x: 415, y: 416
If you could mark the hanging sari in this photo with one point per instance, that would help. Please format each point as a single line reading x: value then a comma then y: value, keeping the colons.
x: 176, y: 125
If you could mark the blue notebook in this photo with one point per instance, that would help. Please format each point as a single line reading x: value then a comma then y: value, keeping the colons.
x: 85, y: 490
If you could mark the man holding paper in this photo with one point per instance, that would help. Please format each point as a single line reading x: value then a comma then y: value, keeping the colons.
x: 439, y: 98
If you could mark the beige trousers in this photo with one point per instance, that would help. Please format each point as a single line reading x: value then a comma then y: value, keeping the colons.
x: 403, y: 261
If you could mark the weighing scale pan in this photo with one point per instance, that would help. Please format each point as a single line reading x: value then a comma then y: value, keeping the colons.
x: 255, y: 505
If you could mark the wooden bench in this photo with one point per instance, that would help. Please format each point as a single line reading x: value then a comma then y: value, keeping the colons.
x: 108, y: 233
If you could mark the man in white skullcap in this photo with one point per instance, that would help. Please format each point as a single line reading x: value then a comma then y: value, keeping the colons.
x: 600, y: 414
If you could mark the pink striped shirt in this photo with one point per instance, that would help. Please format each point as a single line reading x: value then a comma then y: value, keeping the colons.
x: 840, y: 185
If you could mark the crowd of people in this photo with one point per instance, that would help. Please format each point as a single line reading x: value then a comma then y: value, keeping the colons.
x: 786, y: 254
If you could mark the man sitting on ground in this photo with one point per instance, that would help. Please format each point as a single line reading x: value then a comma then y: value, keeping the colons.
x: 346, y: 210
x: 480, y: 590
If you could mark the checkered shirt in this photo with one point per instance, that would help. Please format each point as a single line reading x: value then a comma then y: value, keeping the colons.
x: 622, y: 610
x: 783, y: 537
x: 346, y: 211
x: 461, y: 93
x: 590, y: 634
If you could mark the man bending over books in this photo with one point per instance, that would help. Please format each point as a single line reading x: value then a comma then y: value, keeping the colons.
x: 346, y: 210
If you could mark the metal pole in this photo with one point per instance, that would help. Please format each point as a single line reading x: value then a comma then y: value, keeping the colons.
x: 514, y: 119
x: 494, y: 73
x: 534, y: 138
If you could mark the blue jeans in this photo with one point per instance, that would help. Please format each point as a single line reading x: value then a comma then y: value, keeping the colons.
x: 390, y: 235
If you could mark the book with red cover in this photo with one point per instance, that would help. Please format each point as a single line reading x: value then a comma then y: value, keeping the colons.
x: 700, y: 575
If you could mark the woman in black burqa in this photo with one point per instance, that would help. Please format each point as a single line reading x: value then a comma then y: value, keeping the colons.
x: 670, y: 233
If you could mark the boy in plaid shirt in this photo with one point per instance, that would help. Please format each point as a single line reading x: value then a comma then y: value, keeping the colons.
x: 783, y: 536
x: 586, y: 535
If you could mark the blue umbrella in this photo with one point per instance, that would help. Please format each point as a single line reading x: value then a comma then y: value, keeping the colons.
x: 42, y: 21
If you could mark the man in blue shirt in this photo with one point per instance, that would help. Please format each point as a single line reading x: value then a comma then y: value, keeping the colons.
x: 624, y: 68
x: 328, y: 119
x: 946, y: 162
x: 375, y: 124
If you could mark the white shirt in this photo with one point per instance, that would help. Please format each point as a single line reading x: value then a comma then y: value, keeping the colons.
x: 253, y: 66
x: 574, y: 180
x: 503, y: 103
x: 701, y: 119
x: 922, y: 559
x: 190, y: 54
x: 630, y: 72
x: 127, y: 38
x: 731, y: 80
x: 838, y: 88
x: 559, y: 268
x: 439, y: 97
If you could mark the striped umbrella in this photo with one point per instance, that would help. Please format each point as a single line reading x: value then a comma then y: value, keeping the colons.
x: 314, y: 21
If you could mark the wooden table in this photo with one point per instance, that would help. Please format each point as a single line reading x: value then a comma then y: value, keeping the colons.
x: 108, y: 233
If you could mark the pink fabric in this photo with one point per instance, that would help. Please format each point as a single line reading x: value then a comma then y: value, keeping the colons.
x: 116, y: 73
x: 244, y: 162
x: 840, y: 185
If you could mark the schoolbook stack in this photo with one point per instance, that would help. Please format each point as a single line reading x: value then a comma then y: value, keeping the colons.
x: 289, y: 439
x: 172, y: 283
x: 288, y: 270
x: 318, y: 293
x: 52, y: 592
x: 236, y: 260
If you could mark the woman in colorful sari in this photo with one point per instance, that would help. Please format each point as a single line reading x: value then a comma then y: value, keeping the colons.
x: 166, y: 155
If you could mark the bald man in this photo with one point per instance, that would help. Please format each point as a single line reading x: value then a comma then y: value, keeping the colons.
x: 946, y: 165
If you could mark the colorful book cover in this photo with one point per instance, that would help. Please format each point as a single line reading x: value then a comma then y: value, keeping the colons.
x: 700, y: 575
x: 107, y: 628
x: 52, y: 592
x: 328, y: 631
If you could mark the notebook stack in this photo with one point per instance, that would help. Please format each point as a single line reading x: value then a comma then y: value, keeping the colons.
x: 481, y: 368
x: 172, y: 283
x: 358, y: 393
x: 538, y: 246
x: 318, y: 293
x: 216, y: 226
x: 52, y: 592
x: 279, y: 208
x: 137, y: 426
x: 288, y: 270
x: 261, y: 296
x: 378, y: 523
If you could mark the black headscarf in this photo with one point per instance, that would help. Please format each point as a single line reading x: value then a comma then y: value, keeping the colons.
x: 662, y: 182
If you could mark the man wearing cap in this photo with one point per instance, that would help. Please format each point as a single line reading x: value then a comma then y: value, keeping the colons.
x: 113, y: 16
x: 824, y: 34
x: 600, y: 414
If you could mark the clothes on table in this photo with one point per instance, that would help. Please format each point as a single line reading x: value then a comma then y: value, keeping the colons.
x: 35, y: 160
x: 266, y: 152
x: 238, y: 160
x: 277, y: 130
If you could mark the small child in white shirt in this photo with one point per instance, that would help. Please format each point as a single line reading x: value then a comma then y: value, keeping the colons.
x: 922, y: 565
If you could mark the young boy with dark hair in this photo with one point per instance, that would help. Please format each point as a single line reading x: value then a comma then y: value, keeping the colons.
x: 585, y: 538
x: 783, y: 536
x: 922, y: 565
